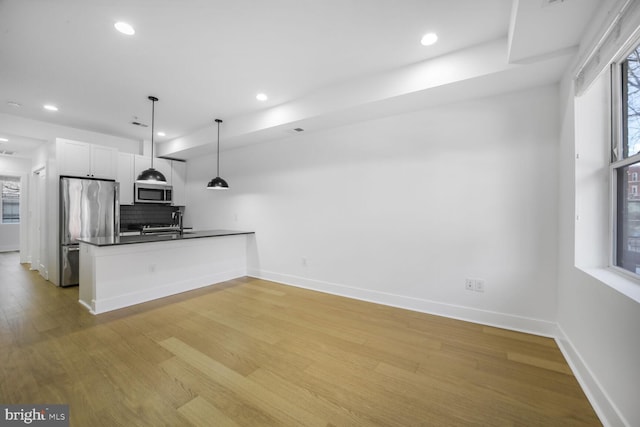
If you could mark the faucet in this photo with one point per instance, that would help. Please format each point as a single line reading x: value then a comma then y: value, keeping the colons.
x: 176, y: 217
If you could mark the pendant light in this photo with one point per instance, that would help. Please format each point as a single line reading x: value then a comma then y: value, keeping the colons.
x: 218, y: 183
x: 152, y: 175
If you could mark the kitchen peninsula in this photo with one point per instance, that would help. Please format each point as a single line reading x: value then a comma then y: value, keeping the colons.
x: 121, y: 271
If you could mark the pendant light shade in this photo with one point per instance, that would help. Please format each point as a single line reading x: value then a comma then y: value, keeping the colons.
x: 152, y: 175
x: 218, y: 183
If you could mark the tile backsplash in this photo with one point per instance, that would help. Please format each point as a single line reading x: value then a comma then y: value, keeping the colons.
x: 131, y: 215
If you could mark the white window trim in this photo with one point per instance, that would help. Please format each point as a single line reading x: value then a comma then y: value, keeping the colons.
x: 620, y: 279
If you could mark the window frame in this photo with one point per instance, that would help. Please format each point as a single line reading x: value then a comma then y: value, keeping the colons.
x: 617, y: 160
x: 19, y: 181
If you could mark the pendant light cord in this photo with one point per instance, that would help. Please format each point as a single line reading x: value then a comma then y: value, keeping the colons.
x: 218, y: 156
x: 153, y: 116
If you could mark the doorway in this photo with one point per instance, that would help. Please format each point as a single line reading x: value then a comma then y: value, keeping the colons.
x: 37, y: 223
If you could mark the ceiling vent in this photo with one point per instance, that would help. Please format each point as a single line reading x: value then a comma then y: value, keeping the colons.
x: 7, y: 152
x: 294, y: 131
x: 138, y: 123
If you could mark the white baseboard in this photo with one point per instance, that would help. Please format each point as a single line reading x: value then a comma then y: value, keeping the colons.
x: 469, y: 314
x: 605, y: 408
x: 87, y: 306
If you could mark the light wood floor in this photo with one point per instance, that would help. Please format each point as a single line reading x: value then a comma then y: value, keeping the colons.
x: 255, y: 353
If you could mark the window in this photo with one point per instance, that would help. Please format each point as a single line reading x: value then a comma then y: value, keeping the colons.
x: 10, y: 200
x: 625, y: 161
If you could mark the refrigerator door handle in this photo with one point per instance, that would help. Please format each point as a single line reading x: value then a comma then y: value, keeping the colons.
x: 116, y: 210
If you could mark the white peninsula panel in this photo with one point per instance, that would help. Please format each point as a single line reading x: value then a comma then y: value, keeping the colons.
x: 120, y: 275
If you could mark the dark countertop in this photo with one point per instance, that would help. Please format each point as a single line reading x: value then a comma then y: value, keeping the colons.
x: 129, y: 240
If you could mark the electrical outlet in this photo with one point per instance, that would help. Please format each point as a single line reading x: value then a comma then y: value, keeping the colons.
x: 476, y: 285
x: 469, y: 284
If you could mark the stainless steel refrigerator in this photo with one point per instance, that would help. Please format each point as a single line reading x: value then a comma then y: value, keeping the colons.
x: 88, y: 208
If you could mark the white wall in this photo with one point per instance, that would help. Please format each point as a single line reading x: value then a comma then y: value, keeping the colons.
x: 400, y: 210
x: 9, y: 237
x: 598, y: 325
x: 14, y: 165
x: 10, y: 234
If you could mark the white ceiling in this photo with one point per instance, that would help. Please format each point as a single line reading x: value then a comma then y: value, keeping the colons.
x: 205, y: 59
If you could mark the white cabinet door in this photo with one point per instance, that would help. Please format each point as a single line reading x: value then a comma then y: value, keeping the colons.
x: 163, y: 166
x: 140, y: 163
x: 125, y: 178
x: 74, y: 158
x: 178, y: 179
x: 82, y: 159
x: 104, y: 162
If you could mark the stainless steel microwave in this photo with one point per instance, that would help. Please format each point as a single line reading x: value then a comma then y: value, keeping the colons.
x: 152, y: 192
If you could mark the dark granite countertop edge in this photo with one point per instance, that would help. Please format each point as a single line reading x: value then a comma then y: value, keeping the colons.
x: 130, y: 240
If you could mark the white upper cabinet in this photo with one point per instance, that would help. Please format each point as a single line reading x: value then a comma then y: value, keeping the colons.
x: 104, y: 161
x: 125, y: 178
x: 178, y: 179
x: 163, y: 166
x: 82, y: 159
x: 74, y: 158
x: 140, y: 164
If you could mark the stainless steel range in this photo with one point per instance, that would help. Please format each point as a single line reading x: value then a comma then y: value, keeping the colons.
x: 160, y: 229
x: 173, y: 224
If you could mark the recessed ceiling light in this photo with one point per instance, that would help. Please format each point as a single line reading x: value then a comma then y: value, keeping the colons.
x: 50, y: 107
x: 261, y: 97
x: 429, y: 39
x: 4, y: 140
x: 161, y: 134
x: 124, y: 28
